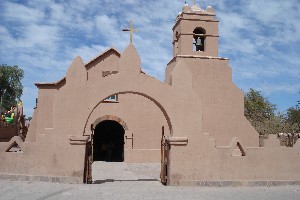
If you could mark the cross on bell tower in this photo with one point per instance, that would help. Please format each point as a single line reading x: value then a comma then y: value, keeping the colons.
x: 196, y: 32
x: 130, y: 30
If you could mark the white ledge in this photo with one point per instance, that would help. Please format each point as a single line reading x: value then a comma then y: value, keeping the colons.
x: 202, y: 57
x: 78, y: 140
x: 177, y: 140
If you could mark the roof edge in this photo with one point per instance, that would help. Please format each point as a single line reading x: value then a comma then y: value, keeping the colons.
x: 64, y: 78
x: 50, y: 83
x: 103, y: 53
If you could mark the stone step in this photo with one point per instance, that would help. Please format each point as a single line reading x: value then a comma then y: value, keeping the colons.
x: 120, y: 171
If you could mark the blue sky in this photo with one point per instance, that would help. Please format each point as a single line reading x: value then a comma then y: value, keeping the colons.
x: 260, y: 37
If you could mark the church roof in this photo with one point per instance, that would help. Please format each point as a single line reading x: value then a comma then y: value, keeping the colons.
x: 91, y: 61
x: 102, y: 54
x: 50, y: 83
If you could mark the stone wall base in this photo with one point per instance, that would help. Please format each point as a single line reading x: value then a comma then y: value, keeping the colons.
x: 53, y: 179
x: 241, y: 183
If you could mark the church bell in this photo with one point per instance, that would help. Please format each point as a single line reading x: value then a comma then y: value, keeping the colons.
x: 198, y: 42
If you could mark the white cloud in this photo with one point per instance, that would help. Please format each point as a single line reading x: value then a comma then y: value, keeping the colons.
x: 40, y: 35
x: 30, y: 36
x: 280, y: 87
x: 21, y: 13
x: 86, y: 52
x: 106, y: 25
x: 262, y: 40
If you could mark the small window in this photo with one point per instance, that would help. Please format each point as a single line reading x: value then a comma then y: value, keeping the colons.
x: 199, y: 39
x: 113, y: 98
x: 176, y: 36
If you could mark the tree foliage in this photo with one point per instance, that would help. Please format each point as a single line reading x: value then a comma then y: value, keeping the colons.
x: 293, y: 118
x: 11, y: 87
x: 259, y: 111
x: 261, y: 114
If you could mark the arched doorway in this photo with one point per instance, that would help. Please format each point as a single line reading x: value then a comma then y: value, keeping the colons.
x: 108, y: 142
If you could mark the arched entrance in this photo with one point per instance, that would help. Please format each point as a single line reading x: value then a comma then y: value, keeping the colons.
x: 108, y: 142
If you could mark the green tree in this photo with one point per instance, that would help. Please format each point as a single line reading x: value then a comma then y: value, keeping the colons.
x: 260, y: 112
x: 293, y: 118
x: 11, y: 87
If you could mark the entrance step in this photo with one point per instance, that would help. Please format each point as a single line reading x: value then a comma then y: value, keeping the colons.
x: 119, y: 171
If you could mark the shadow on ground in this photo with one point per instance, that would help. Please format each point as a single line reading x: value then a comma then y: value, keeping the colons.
x: 115, y: 180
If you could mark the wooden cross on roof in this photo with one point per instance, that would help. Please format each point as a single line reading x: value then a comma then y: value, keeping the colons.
x: 130, y: 30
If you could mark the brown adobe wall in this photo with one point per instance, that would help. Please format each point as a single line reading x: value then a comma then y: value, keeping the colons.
x: 49, y: 156
x: 108, y: 62
x: 45, y: 116
x: 60, y: 150
x: 221, y: 100
x: 143, y: 119
x: 200, y: 161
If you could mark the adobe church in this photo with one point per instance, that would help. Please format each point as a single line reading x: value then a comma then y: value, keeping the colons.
x: 193, y: 123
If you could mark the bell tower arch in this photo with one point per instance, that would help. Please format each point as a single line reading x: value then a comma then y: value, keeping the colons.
x: 196, y: 32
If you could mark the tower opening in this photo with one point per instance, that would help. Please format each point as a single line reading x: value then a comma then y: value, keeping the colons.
x: 199, y: 39
x: 108, y: 142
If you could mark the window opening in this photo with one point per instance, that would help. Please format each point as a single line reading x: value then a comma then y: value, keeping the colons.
x: 199, y: 39
x: 113, y: 98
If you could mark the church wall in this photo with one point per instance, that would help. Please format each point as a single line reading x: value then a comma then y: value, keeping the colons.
x: 211, y: 45
x: 50, y: 156
x: 185, y: 39
x: 185, y: 44
x: 169, y: 69
x: 144, y: 120
x: 201, y: 161
x: 176, y: 45
x: 194, y: 17
x: 73, y: 104
x: 223, y: 102
x: 45, y: 105
x: 48, y: 150
x: 70, y: 105
x: 109, y: 62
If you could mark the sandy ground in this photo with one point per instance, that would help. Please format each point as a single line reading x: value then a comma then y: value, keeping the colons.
x: 130, y: 181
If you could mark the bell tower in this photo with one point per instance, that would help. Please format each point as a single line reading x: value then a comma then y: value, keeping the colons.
x: 197, y: 66
x: 196, y: 32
